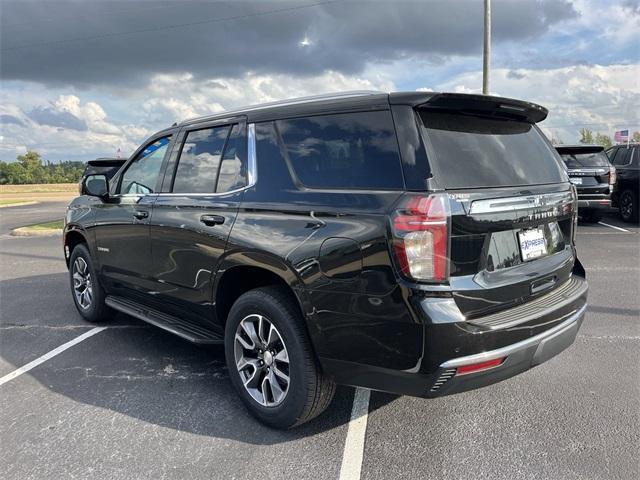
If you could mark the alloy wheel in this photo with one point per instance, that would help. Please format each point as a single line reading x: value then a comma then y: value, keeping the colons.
x: 262, y: 360
x: 82, y: 287
x: 626, y: 206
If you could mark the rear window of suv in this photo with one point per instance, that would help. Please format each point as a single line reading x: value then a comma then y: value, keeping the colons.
x: 579, y: 160
x: 350, y: 150
x: 467, y: 151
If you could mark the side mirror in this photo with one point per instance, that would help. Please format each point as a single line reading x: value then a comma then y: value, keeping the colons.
x: 95, y: 186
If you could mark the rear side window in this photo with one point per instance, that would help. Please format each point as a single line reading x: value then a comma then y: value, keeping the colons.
x: 467, y: 151
x: 623, y: 157
x: 200, y: 160
x: 233, y: 170
x: 352, y: 150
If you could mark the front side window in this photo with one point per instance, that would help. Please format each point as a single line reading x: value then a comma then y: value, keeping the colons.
x: 142, y: 174
x: 351, y: 150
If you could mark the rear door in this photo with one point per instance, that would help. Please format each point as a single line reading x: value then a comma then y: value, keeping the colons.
x: 511, y: 206
x: 193, y: 216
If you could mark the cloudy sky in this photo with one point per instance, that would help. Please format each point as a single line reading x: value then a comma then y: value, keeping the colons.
x: 81, y: 79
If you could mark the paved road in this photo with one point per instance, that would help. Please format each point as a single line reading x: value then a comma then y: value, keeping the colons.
x: 134, y: 402
x: 14, y: 217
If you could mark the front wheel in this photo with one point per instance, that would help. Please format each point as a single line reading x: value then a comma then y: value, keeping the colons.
x: 270, y: 360
x: 628, y: 205
x: 88, y: 294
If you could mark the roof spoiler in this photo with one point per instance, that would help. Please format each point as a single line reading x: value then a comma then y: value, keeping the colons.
x: 483, y: 105
x: 569, y: 149
x: 107, y: 162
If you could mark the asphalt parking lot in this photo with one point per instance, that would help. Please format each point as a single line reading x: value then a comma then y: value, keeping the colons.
x: 131, y: 401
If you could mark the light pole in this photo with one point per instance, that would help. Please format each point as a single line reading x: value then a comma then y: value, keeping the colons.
x: 486, y: 56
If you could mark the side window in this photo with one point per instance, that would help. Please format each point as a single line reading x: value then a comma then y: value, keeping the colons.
x: 623, y: 156
x: 233, y: 170
x: 141, y: 176
x: 352, y: 150
x: 611, y: 153
x: 199, y: 160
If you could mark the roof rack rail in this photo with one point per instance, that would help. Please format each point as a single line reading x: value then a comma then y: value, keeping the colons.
x: 284, y: 103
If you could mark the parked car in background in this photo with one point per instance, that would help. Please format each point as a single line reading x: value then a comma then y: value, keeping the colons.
x: 626, y: 191
x: 417, y: 243
x: 592, y: 174
x: 103, y: 165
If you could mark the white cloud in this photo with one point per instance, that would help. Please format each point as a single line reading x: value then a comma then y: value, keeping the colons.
x: 100, y: 137
x: 181, y: 96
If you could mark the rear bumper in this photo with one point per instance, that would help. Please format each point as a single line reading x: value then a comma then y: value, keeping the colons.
x: 524, y: 336
x: 594, y: 199
x: 518, y: 357
x: 593, y: 204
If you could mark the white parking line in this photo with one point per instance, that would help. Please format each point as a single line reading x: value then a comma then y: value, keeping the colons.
x: 51, y: 354
x: 354, y: 444
x: 614, y: 227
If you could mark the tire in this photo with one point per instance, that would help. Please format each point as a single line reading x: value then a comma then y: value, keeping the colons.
x: 591, y: 216
x: 628, y: 206
x: 307, y: 393
x: 83, y: 279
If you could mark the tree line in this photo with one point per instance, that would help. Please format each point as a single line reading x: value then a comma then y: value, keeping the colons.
x: 588, y: 137
x: 29, y: 168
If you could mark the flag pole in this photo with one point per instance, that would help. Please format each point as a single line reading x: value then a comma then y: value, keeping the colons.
x: 486, y: 56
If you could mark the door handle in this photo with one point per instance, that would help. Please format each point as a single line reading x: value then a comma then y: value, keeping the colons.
x: 140, y: 214
x: 211, y: 220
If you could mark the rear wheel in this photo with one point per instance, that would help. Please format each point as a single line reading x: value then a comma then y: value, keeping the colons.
x: 88, y: 295
x: 270, y: 360
x: 628, y: 206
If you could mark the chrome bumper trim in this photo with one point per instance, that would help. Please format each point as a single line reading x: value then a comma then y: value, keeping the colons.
x: 510, y: 349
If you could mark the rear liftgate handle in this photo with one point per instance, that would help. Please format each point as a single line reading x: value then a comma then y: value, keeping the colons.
x: 212, y: 220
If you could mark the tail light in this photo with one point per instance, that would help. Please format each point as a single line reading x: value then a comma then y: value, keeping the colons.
x: 421, y: 238
x: 612, y: 175
x: 574, y: 203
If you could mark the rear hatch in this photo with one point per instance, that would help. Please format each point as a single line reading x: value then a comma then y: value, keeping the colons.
x: 511, y: 207
x: 588, y: 168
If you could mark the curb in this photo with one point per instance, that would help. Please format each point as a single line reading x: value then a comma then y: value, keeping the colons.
x: 19, y: 204
x: 30, y: 232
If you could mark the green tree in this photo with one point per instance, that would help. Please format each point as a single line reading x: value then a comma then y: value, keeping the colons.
x: 28, y: 168
x: 635, y: 137
x: 604, y: 140
x: 586, y: 136
x: 556, y: 140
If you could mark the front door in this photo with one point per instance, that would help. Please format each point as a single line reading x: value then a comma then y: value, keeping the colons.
x: 122, y: 229
x: 193, y: 216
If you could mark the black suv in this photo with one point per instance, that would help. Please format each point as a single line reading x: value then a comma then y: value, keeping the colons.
x: 415, y: 243
x: 592, y: 174
x: 626, y: 159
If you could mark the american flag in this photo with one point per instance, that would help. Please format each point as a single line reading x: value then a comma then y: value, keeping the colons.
x: 621, y: 136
